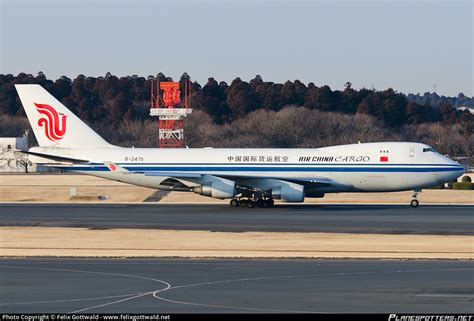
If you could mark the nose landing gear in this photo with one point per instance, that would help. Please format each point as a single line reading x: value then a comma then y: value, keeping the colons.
x: 414, y: 202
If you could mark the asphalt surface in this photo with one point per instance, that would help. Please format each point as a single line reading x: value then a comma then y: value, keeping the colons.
x: 272, y: 286
x: 393, y: 219
x: 92, y: 285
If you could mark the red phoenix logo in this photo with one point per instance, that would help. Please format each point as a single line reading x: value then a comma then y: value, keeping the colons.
x: 54, y: 127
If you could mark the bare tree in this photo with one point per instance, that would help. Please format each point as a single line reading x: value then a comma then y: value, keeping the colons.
x: 23, y: 160
x: 4, y: 154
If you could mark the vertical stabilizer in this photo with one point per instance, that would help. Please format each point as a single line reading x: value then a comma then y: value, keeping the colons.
x: 53, y: 124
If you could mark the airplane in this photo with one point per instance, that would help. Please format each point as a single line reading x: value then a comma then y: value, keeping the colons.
x: 247, y: 176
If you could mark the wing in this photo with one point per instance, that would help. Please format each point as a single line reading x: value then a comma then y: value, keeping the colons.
x: 244, y: 179
x: 249, y: 181
x: 262, y: 183
x: 312, y: 182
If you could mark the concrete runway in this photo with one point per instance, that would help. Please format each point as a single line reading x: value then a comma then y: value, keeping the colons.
x: 399, y: 219
x: 197, y: 286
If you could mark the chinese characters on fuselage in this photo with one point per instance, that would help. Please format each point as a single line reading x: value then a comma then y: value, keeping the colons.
x: 258, y: 159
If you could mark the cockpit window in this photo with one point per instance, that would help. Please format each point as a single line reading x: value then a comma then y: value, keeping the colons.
x: 430, y: 149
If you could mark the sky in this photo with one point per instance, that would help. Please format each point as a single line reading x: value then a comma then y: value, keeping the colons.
x: 410, y: 46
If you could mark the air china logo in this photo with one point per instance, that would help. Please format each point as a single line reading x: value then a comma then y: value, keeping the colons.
x: 54, y: 123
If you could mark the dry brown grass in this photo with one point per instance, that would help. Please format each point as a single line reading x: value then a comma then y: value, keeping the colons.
x: 55, y: 241
x: 56, y: 188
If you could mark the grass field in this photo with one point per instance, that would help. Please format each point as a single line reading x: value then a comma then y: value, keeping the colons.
x: 83, y: 188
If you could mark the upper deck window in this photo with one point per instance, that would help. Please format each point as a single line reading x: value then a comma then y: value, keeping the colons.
x: 430, y: 149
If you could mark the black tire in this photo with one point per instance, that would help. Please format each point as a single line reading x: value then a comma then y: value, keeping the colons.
x: 233, y: 202
x: 242, y: 203
x: 269, y: 202
x: 250, y: 204
x: 414, y: 203
x: 260, y: 203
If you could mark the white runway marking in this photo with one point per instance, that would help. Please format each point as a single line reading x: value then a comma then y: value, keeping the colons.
x: 155, y: 294
x: 111, y: 303
x: 267, y: 278
x: 167, y: 286
x: 87, y: 272
x: 69, y: 300
x: 234, y: 307
x: 100, y: 273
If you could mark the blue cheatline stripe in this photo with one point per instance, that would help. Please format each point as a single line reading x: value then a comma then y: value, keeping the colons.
x: 269, y: 169
x: 272, y: 164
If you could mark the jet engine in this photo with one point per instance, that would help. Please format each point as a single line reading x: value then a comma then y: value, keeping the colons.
x: 216, y: 187
x: 289, y: 192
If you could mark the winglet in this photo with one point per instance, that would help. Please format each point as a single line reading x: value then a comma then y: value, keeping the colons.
x: 115, y: 168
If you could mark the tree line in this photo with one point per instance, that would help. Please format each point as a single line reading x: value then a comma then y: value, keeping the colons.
x: 249, y: 114
x: 290, y: 127
x: 433, y: 99
x: 113, y: 99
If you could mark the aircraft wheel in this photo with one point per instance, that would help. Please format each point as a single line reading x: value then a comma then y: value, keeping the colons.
x: 269, y: 202
x: 414, y: 203
x: 234, y: 203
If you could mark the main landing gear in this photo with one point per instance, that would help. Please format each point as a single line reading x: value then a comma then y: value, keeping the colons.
x: 249, y: 202
x: 251, y: 197
x: 414, y: 202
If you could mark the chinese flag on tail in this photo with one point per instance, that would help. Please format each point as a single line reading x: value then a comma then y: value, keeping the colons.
x: 384, y: 158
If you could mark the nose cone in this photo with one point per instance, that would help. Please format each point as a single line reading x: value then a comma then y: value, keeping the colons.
x: 455, y: 171
x: 460, y: 171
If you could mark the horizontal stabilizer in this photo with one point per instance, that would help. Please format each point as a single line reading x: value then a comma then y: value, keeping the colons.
x: 54, y: 157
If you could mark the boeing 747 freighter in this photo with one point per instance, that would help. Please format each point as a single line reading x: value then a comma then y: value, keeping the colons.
x: 246, y: 176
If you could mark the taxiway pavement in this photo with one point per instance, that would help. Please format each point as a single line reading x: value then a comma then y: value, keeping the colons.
x: 215, y: 285
x: 379, y: 219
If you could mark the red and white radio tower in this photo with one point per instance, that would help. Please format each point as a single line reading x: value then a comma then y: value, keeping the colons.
x: 166, y: 103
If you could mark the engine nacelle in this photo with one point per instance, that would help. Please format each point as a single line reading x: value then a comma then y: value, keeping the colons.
x: 289, y: 192
x: 313, y: 193
x: 216, y: 187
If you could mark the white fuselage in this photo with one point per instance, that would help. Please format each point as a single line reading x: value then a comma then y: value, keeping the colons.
x: 254, y: 175
x: 369, y: 167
